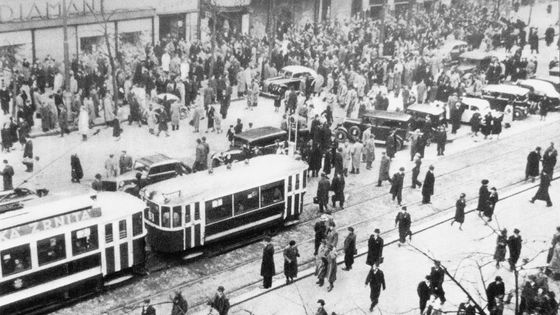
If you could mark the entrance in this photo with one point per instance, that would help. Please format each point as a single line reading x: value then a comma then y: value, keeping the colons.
x: 172, y: 25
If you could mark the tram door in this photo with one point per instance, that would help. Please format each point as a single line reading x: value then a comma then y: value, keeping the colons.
x: 193, y: 225
x: 296, y: 184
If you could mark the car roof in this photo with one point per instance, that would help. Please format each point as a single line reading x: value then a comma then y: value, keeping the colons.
x: 540, y: 87
x: 383, y: 114
x: 475, y: 55
x: 478, y: 102
x: 154, y: 159
x: 506, y: 89
x: 426, y: 108
x: 297, y: 69
x: 549, y: 78
x: 264, y: 169
x: 260, y: 132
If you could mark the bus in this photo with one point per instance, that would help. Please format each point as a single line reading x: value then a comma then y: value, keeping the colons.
x: 186, y: 213
x: 58, y: 249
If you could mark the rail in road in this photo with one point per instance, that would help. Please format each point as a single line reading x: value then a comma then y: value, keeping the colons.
x: 504, y: 169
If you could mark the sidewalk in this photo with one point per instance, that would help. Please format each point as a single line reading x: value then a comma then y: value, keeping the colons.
x: 405, y: 267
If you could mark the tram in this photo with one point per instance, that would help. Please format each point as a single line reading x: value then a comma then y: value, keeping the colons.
x: 186, y: 213
x: 54, y: 250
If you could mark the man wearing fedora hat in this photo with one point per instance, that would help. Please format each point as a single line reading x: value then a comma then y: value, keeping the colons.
x: 321, y: 309
x: 220, y: 302
x: 514, y: 243
x: 323, y: 192
x: 375, y: 248
x: 483, y: 197
x: 147, y: 308
x: 397, y: 185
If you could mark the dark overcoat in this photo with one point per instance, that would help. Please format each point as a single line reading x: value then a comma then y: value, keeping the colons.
x: 533, y: 161
x: 267, y: 265
x: 375, y: 250
x: 428, y: 187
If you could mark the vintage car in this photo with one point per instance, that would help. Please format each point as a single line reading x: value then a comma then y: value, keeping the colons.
x: 539, y: 88
x: 289, y: 76
x: 474, y: 60
x: 419, y: 112
x: 554, y: 80
x: 451, y: 50
x: 250, y: 143
x: 500, y: 95
x: 153, y: 168
x: 471, y: 105
x: 381, y: 123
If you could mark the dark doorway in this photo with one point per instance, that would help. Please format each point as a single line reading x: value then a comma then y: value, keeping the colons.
x: 356, y: 7
x: 172, y: 25
x: 326, y: 10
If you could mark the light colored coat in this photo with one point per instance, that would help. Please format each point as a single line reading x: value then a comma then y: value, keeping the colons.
x: 83, y: 121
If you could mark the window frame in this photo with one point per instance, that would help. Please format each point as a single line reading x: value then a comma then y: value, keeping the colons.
x: 61, y: 240
x: 137, y: 229
x: 122, y: 223
x: 236, y: 198
x: 94, y: 234
x: 278, y: 184
x: 4, y: 252
x: 177, y: 209
x: 223, y: 203
x: 166, y: 209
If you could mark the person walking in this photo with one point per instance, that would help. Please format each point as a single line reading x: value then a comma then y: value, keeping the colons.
x: 375, y: 249
x: 542, y: 192
x: 533, y: 163
x: 376, y: 281
x: 437, y: 276
x: 320, y: 232
x: 428, y: 187
x: 397, y: 185
x: 549, y: 159
x: 267, y: 265
x: 7, y: 174
x: 492, y: 200
x: 332, y: 235
x: 321, y: 263
x: 403, y: 221
x: 514, y: 243
x: 323, y: 192
x: 180, y: 305
x: 357, y: 149
x: 349, y: 249
x: 369, y: 148
x: 220, y: 302
x: 416, y: 171
x: 83, y: 122
x: 76, y: 168
x: 291, y: 254
x: 125, y: 162
x: 441, y: 140
x: 331, y: 267
x: 337, y: 186
x: 500, y: 251
x: 321, y: 309
x: 494, y: 291
x: 483, y: 196
x: 384, y: 167
x: 28, y: 155
x: 147, y: 308
x: 424, y: 293
x: 460, y: 205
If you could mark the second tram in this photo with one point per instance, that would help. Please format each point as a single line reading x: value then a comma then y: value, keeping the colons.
x: 189, y: 212
x: 61, y: 249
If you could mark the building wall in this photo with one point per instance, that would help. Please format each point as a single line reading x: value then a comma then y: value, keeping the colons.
x: 299, y: 11
x: 341, y: 9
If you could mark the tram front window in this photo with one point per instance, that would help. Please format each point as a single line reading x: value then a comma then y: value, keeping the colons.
x: 15, y: 260
x: 272, y: 193
x: 51, y: 249
x: 84, y: 240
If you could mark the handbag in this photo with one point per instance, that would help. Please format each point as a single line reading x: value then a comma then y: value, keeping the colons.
x: 316, y: 200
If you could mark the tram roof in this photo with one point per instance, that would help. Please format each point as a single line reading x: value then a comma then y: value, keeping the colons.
x: 112, y: 205
x: 261, y: 170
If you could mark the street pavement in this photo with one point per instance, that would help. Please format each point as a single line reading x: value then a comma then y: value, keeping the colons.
x: 404, y: 267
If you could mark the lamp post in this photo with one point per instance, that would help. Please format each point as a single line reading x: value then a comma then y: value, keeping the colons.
x: 65, y: 46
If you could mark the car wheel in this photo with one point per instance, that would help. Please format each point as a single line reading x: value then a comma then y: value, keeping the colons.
x: 518, y: 114
x: 341, y: 135
x: 355, y: 132
x: 216, y: 162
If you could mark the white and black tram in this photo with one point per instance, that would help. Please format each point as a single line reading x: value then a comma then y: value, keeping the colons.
x: 58, y: 249
x: 186, y: 213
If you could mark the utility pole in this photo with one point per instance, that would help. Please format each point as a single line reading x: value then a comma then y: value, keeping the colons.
x: 382, y: 33
x: 66, y: 57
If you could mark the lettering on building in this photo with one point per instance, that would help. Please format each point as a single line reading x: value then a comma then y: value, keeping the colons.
x: 45, y: 10
x: 49, y: 223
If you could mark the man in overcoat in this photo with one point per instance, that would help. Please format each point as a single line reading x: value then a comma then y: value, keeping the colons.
x: 397, y: 185
x: 403, y: 221
x: 337, y: 186
x: 549, y: 159
x: 514, y: 243
x: 494, y: 290
x: 437, y: 275
x: 542, y: 192
x: 320, y: 232
x: 384, y: 167
x: 349, y: 249
x: 483, y: 197
x: 424, y: 293
x: 323, y: 192
x: 428, y: 187
x: 375, y: 248
x: 267, y: 265
x: 533, y: 161
x: 376, y: 281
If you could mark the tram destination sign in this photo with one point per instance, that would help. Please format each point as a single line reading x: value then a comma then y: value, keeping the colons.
x: 49, y: 223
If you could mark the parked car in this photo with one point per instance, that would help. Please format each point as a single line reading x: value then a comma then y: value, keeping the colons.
x: 471, y: 105
x: 499, y: 95
x: 153, y: 168
x: 554, y: 80
x: 451, y: 50
x: 289, y: 76
x: 381, y: 122
x: 539, y: 88
x: 253, y: 142
x: 474, y: 60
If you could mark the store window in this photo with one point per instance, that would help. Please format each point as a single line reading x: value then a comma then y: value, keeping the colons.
x: 92, y: 44
x: 84, y: 240
x: 272, y: 193
x: 16, y: 260
x: 218, y: 209
x: 172, y: 26
x: 51, y: 249
x: 246, y: 201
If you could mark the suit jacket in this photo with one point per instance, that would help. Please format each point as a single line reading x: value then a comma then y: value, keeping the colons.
x: 376, y: 280
x: 423, y: 291
x: 494, y: 289
x: 397, y: 184
x: 437, y: 276
x: 428, y: 187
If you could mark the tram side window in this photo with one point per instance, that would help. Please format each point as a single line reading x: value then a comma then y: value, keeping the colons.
x: 153, y: 213
x: 137, y: 224
x: 108, y: 233
x: 304, y: 179
x: 177, y: 216
x: 246, y: 201
x: 272, y: 193
x: 122, y: 229
x: 16, y: 260
x: 84, y: 240
x: 297, y: 181
x: 165, y: 217
x: 51, y: 249
x: 218, y: 209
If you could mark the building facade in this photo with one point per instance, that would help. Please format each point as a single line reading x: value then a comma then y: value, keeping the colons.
x: 34, y: 28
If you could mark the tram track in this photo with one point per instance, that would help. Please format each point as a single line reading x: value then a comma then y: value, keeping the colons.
x: 303, y: 224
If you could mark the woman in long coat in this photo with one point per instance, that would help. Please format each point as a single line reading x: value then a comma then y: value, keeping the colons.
x: 492, y: 200
x: 291, y: 254
x: 76, y: 168
x: 487, y: 127
x: 331, y: 268
x: 152, y: 119
x: 533, y: 164
x: 6, y: 138
x: 475, y: 123
x: 501, y: 244
x: 497, y: 126
x: 460, y: 211
x: 83, y: 122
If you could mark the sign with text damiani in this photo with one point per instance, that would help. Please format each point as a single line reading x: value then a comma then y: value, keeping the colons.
x: 15, y: 11
x: 49, y: 223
